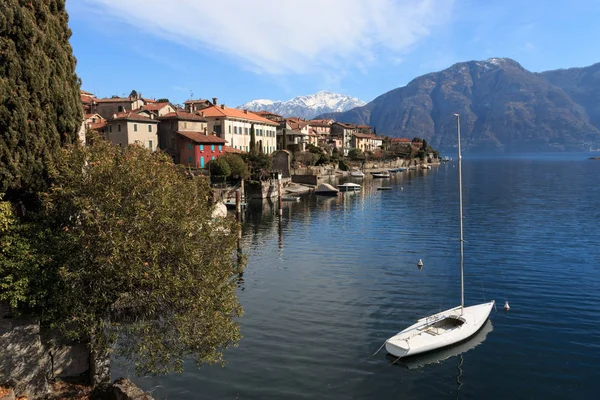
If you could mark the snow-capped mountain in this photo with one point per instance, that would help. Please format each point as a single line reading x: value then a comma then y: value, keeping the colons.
x: 306, y: 106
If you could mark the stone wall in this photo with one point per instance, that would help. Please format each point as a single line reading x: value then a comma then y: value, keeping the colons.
x: 24, y: 364
x: 29, y: 359
x: 305, y: 179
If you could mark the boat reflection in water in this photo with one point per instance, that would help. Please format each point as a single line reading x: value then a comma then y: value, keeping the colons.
x: 436, y: 357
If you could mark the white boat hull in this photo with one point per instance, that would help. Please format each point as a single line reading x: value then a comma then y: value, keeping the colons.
x: 439, y: 330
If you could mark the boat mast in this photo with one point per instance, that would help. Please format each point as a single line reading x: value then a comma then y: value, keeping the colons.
x: 460, y: 217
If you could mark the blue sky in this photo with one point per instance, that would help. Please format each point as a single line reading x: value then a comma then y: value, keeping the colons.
x: 240, y: 50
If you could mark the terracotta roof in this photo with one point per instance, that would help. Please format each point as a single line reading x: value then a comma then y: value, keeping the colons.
x: 154, y: 106
x: 94, y: 115
x: 297, y: 123
x: 228, y: 149
x: 98, y: 125
x: 364, y: 136
x: 218, y: 111
x: 81, y: 91
x: 346, y: 126
x: 200, y: 137
x: 320, y: 122
x: 87, y: 99
x: 183, y: 116
x: 197, y: 101
x: 400, y: 140
x: 133, y: 116
x: 264, y: 113
x: 116, y: 100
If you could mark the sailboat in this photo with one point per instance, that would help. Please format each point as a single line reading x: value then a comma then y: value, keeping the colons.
x: 447, y: 327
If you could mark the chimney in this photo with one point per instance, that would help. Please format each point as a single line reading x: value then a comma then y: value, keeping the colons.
x: 202, y: 114
x: 114, y: 115
x: 245, y: 111
x: 214, y: 101
x: 222, y: 106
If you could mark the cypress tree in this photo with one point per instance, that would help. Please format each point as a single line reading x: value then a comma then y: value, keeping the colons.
x: 40, y: 106
x: 252, y: 140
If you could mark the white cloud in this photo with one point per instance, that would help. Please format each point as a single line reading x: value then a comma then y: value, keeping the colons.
x: 287, y: 36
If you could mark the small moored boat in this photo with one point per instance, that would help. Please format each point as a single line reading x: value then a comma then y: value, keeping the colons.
x: 357, y: 174
x: 380, y: 174
x: 349, y: 187
x: 325, y: 189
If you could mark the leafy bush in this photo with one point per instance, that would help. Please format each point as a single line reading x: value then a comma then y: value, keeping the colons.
x: 219, y: 167
x: 238, y: 168
x: 356, y: 155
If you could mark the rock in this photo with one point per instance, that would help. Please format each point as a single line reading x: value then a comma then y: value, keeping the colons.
x: 124, y: 389
x: 7, y: 394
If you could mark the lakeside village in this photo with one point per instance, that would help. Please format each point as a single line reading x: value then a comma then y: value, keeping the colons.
x: 202, y: 134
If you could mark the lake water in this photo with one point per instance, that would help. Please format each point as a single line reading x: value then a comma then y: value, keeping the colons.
x: 325, y: 288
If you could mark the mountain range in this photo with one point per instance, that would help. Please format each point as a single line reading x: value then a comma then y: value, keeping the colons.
x: 306, y: 106
x: 503, y: 108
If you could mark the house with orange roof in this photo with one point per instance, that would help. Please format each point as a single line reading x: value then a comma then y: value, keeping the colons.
x: 400, y: 145
x: 94, y: 122
x: 235, y: 127
x: 88, y: 100
x: 197, y: 149
x: 366, y: 142
x: 322, y: 127
x: 343, y: 133
x: 270, y: 116
x: 115, y: 105
x: 197, y: 105
x: 133, y: 128
x: 174, y: 122
x: 159, y: 109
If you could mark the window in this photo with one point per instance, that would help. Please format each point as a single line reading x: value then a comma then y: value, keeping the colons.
x: 190, y: 160
x: 135, y: 127
x: 235, y: 130
x: 213, y: 158
x: 212, y: 147
x: 149, y: 128
x: 119, y: 127
x: 246, y: 148
x: 220, y: 148
x: 185, y: 125
x: 202, y: 149
x: 110, y: 128
x: 190, y: 147
x: 245, y: 131
x: 201, y: 160
x: 120, y: 109
x: 150, y: 144
x: 229, y: 128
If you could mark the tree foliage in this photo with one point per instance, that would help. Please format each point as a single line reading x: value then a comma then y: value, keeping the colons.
x: 252, y: 140
x: 259, y: 165
x: 239, y: 169
x: 40, y: 106
x: 132, y: 259
x: 356, y: 154
x: 219, y: 167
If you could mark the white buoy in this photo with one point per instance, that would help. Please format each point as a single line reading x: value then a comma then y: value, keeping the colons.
x: 420, y: 264
x: 506, y: 306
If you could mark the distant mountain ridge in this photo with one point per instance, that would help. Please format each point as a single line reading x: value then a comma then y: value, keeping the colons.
x: 306, y: 106
x: 503, y: 108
